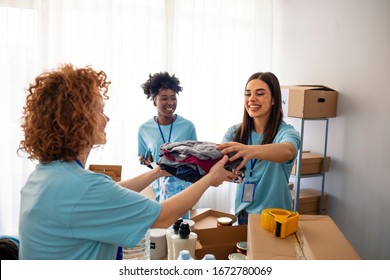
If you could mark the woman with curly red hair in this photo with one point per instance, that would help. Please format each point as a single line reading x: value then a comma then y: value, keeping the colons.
x: 68, y: 212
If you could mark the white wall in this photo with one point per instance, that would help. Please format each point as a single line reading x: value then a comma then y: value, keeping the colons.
x: 345, y: 45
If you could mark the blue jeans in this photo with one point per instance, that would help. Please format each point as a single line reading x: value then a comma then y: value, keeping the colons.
x: 242, y: 217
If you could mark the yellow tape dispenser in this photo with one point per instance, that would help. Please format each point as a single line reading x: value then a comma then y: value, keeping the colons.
x: 280, y: 222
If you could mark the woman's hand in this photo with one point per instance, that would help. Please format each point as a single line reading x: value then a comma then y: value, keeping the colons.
x: 241, y: 151
x: 146, y: 159
x: 162, y: 172
x: 219, y: 174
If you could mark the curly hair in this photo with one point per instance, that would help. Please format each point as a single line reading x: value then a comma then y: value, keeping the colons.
x: 158, y: 82
x: 59, y: 118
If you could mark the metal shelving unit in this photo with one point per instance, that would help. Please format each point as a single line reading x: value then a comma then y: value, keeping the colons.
x: 299, y: 162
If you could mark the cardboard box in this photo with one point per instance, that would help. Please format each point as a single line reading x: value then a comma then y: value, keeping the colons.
x: 114, y: 171
x: 207, y: 218
x: 317, y: 238
x: 219, y: 241
x: 309, y: 101
x: 309, y: 201
x: 312, y: 163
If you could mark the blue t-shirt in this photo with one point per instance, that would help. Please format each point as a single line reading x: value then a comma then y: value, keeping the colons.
x: 68, y: 212
x: 150, y: 138
x: 270, y: 178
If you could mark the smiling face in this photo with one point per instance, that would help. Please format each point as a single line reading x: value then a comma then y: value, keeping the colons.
x: 258, y: 99
x: 166, y: 103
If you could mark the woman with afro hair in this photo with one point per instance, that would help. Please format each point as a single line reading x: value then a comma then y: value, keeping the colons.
x: 162, y: 89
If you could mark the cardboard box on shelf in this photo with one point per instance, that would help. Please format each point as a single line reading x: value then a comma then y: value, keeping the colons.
x: 317, y: 238
x: 220, y: 242
x: 309, y: 201
x: 207, y: 218
x: 312, y: 163
x: 309, y: 101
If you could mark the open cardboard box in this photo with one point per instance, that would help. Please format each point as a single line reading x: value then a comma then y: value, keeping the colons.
x: 207, y: 218
x: 220, y: 242
x: 317, y: 238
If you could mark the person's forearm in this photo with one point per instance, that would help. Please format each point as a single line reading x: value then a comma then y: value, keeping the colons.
x: 177, y: 205
x: 140, y: 182
x: 279, y: 152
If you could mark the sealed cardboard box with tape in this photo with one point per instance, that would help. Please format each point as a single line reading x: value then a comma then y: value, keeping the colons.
x: 317, y: 238
x: 309, y: 101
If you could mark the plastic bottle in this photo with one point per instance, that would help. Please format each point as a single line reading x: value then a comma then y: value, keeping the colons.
x: 185, y: 255
x: 209, y: 257
x: 141, y: 251
x: 185, y: 240
x: 174, y: 229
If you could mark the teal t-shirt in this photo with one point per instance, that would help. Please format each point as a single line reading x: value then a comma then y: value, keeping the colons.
x: 150, y: 138
x: 270, y: 178
x: 68, y: 212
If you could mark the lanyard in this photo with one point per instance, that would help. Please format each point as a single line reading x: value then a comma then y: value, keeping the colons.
x: 253, y: 161
x: 79, y: 163
x: 161, y: 133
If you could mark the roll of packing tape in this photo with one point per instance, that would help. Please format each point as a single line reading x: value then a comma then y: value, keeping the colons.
x: 280, y: 222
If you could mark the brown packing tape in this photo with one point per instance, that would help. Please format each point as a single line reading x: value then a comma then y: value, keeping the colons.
x: 302, y: 245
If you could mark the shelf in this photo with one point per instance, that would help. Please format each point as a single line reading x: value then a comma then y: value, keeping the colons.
x: 298, y: 175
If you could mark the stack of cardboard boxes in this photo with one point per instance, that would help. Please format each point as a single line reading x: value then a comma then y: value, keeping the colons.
x: 310, y: 102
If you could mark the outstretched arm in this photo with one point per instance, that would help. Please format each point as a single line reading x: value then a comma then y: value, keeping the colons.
x: 278, y: 152
x: 180, y: 203
x: 140, y: 182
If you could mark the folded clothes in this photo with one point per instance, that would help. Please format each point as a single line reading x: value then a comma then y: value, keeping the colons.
x: 190, y: 160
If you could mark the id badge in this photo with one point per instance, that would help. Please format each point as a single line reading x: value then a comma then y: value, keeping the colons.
x: 248, y: 192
